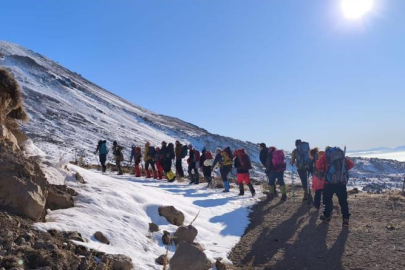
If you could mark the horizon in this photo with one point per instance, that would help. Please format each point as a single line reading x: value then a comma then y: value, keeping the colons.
x: 240, y: 68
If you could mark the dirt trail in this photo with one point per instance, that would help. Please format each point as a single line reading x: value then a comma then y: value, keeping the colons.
x: 290, y: 236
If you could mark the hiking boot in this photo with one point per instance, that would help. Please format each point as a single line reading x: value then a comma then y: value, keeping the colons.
x: 275, y: 192
x: 316, y: 205
x: 283, y: 197
x: 225, y: 191
x: 325, y: 219
x: 241, y: 190
x: 270, y: 197
x: 241, y: 194
x: 345, y: 222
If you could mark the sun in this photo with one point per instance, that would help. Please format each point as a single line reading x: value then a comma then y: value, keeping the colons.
x: 355, y: 9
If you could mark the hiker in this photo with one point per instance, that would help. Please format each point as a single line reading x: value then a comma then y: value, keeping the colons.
x: 223, y: 160
x: 136, y: 154
x: 335, y: 166
x: 275, y: 167
x: 300, y: 156
x: 119, y: 157
x: 243, y: 165
x: 318, y: 177
x: 168, y: 157
x: 181, y: 152
x: 102, y: 153
x: 193, y: 158
x: 159, y: 163
x: 206, y: 161
x: 149, y: 158
x: 264, y: 151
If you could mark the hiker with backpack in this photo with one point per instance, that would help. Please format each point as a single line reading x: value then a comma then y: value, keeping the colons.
x: 318, y: 177
x: 193, y: 159
x: 206, y: 161
x: 149, y: 158
x: 168, y: 157
x: 136, y: 154
x: 102, y: 153
x: 223, y: 160
x: 275, y: 167
x: 158, y: 163
x: 181, y: 152
x: 264, y: 151
x: 336, y: 166
x: 243, y: 164
x: 119, y: 157
x: 300, y: 156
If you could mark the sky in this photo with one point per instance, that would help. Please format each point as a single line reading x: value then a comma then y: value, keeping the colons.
x: 258, y: 70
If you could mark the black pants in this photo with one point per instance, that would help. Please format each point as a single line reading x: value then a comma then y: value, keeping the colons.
x: 224, y: 171
x: 103, y: 159
x: 341, y: 192
x: 303, y: 174
x: 179, y: 168
x: 207, y: 173
x: 192, y: 167
x: 151, y: 163
x: 167, y: 165
x: 118, y: 164
x: 318, y: 197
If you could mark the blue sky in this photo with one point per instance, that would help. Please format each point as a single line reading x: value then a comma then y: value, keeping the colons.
x: 268, y: 70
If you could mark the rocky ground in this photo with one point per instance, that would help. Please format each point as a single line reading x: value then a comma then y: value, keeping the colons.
x: 290, y: 236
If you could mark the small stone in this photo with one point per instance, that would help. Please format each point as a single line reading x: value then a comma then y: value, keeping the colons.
x: 162, y: 260
x: 166, y: 238
x: 153, y: 227
x: 100, y: 237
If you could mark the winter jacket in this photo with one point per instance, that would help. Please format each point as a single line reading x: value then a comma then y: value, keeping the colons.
x: 135, y: 155
x: 179, y: 150
x: 269, y: 162
x: 191, y: 156
x: 147, y: 157
x: 117, y: 152
x: 263, y: 156
x: 238, y: 166
x: 98, y: 149
x: 322, y: 164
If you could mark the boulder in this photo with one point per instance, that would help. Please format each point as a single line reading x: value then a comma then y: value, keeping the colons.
x: 100, y: 237
x: 167, y: 238
x: 172, y: 215
x: 185, y: 233
x: 189, y: 257
x: 153, y: 227
x: 162, y: 260
x: 59, y: 198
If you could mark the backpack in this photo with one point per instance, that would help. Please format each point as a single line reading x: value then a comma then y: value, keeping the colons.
x: 103, y: 148
x: 303, y: 159
x: 278, y: 160
x: 152, y: 152
x: 226, y: 160
x: 228, y: 151
x: 336, y: 159
x: 184, y: 151
x: 138, y: 152
x: 208, y: 155
x: 197, y: 156
x: 244, y: 159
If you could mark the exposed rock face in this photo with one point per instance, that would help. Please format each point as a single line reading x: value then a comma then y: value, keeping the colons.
x: 189, y: 257
x: 185, y: 233
x: 172, y: 215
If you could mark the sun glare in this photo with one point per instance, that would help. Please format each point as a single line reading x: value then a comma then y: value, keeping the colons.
x: 355, y: 9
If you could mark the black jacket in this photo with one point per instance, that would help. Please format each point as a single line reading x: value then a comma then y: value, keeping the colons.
x: 263, y: 156
x: 269, y: 162
x: 238, y: 166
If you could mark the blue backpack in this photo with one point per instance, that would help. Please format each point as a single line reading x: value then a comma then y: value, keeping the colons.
x: 303, y: 160
x: 336, y: 158
x: 103, y: 148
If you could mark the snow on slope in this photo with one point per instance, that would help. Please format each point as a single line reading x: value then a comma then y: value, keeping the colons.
x: 121, y: 207
x: 68, y: 112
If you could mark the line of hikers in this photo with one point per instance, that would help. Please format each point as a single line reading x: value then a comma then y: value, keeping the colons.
x: 158, y: 163
x: 329, y: 171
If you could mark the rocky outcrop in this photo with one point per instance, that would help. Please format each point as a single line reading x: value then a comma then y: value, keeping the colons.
x: 189, y: 257
x: 172, y: 215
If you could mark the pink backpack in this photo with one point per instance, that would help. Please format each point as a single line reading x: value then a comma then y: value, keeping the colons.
x: 278, y: 161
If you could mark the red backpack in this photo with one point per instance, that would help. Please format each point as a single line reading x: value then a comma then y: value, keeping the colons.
x: 208, y: 155
x: 278, y: 161
x: 196, y: 156
x: 244, y: 159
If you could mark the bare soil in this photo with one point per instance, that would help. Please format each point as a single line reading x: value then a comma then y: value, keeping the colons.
x: 290, y: 236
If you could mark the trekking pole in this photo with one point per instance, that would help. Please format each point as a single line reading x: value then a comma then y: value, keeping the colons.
x: 292, y: 181
x: 343, y: 164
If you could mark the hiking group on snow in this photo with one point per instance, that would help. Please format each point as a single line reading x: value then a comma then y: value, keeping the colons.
x: 328, y: 169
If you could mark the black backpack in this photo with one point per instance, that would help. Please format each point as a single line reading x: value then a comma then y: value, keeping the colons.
x: 152, y: 151
x: 336, y: 160
x: 184, y: 151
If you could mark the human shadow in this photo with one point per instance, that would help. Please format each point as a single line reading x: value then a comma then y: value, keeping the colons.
x: 213, y: 202
x: 232, y: 221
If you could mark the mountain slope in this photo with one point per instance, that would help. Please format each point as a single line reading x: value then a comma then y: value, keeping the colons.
x: 68, y: 112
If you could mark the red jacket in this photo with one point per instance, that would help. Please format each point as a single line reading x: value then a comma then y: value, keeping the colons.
x: 323, y: 166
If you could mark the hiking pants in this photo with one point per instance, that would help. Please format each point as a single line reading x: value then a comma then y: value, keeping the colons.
x: 192, y: 167
x: 118, y: 164
x: 341, y: 192
x: 276, y: 175
x: 179, y: 168
x: 303, y: 173
x: 207, y: 173
x: 243, y: 178
x: 103, y: 159
x: 318, y: 197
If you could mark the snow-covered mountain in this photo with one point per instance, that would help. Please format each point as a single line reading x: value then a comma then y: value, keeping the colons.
x: 70, y: 114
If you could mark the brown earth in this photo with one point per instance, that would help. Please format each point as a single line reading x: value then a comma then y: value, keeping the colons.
x: 290, y: 236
